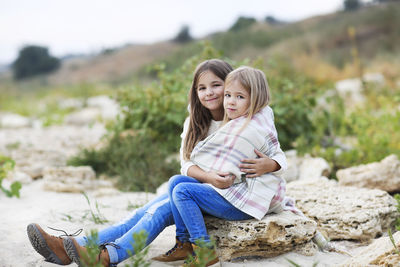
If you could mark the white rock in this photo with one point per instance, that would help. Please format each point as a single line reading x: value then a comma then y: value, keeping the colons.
x: 71, y: 103
x: 376, y: 78
x: 344, y: 212
x: 109, y: 108
x: 18, y: 176
x: 384, y: 175
x: 313, y: 168
x: 33, y: 161
x: 73, y: 179
x: 292, y: 173
x: 66, y: 139
x: 275, y: 234
x: 351, y: 91
x: 380, y: 253
x: 11, y: 120
x: 85, y: 116
x: 162, y: 189
x: 304, y: 167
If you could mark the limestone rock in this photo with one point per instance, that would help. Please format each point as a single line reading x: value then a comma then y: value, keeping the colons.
x: 18, y: 176
x: 66, y: 139
x: 109, y: 108
x: 351, y: 91
x: 275, y: 234
x: 74, y: 103
x: 72, y: 179
x: 313, y: 168
x: 376, y: 78
x: 162, y: 189
x: 380, y: 253
x: 305, y: 167
x: 344, y: 212
x: 84, y: 116
x: 384, y: 175
x: 293, y: 162
x: 11, y: 120
x: 33, y: 161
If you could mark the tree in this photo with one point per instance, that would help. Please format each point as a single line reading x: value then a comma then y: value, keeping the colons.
x: 272, y: 20
x: 183, y: 35
x: 33, y: 60
x: 351, y: 5
x: 242, y: 23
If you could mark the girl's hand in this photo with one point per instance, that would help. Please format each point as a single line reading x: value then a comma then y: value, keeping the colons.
x: 221, y: 179
x: 259, y: 166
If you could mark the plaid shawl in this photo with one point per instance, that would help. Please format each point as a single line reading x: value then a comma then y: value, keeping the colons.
x: 223, y: 151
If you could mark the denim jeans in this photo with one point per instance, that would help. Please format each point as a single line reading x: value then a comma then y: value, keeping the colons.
x: 189, y: 199
x: 153, y: 218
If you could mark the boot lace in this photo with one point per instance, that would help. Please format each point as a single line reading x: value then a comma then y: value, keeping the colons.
x: 172, y: 250
x: 65, y: 233
x: 102, y: 248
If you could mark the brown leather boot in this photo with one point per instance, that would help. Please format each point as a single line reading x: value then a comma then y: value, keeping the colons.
x: 208, y: 261
x: 179, y: 252
x: 50, y: 247
x: 79, y: 254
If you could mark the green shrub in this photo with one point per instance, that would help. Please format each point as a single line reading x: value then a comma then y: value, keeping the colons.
x: 373, y: 130
x: 293, y: 99
x: 139, y: 162
x: 6, y: 165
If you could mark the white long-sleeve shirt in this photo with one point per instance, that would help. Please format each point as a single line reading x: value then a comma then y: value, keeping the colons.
x: 279, y: 157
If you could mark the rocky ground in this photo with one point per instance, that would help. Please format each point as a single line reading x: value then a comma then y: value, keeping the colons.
x: 355, y: 215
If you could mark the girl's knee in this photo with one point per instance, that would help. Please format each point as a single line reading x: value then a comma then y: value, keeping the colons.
x: 180, y: 191
x: 175, y: 180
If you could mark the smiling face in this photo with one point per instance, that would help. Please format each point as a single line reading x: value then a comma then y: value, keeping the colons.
x: 236, y: 100
x: 210, y: 90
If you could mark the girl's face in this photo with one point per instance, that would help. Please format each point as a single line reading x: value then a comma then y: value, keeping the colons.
x: 236, y: 100
x: 210, y: 90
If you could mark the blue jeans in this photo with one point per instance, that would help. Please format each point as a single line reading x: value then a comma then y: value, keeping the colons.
x: 189, y: 198
x: 153, y: 218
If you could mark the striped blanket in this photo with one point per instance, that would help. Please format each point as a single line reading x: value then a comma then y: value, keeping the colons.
x: 223, y: 151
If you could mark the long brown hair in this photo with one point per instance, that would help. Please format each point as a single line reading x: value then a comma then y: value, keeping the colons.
x: 200, y: 117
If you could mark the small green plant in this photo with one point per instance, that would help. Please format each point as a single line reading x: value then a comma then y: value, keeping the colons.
x: 97, y: 218
x: 293, y: 263
x: 203, y: 253
x: 141, y: 251
x: 66, y: 217
x: 397, y: 198
x: 132, y: 206
x: 90, y: 258
x: 393, y: 242
x: 6, y: 165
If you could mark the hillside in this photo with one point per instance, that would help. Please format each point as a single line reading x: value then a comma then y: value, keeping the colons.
x: 321, y: 42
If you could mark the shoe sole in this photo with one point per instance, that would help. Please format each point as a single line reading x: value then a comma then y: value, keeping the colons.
x: 72, y: 251
x: 39, y: 244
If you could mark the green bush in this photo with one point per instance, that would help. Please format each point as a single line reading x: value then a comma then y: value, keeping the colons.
x: 293, y: 99
x: 139, y: 162
x: 373, y: 130
x: 6, y: 165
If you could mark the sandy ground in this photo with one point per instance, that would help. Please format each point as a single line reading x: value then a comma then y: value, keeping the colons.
x: 70, y: 211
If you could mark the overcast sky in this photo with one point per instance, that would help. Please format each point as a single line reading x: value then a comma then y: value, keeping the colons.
x: 85, y: 26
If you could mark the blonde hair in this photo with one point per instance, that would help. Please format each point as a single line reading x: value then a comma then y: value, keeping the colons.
x: 200, y: 117
x: 255, y: 83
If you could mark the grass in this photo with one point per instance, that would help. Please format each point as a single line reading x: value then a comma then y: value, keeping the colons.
x: 96, y: 215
